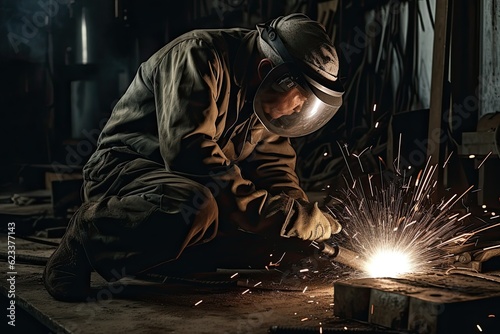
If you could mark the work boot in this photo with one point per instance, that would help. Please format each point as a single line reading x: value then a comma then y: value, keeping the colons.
x: 67, y: 274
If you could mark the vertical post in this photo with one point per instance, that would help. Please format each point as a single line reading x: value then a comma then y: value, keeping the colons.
x: 439, y: 62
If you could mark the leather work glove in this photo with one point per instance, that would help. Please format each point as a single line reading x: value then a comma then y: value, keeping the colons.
x: 303, y: 220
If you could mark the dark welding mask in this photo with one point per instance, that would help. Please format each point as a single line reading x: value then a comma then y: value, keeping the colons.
x: 293, y: 101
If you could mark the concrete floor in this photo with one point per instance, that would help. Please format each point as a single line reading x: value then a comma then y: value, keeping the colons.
x: 249, y: 302
x: 138, y: 306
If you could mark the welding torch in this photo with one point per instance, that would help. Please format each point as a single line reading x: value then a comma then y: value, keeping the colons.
x: 340, y: 254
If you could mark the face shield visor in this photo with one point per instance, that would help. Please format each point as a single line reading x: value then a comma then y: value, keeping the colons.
x: 290, y: 103
x: 291, y: 106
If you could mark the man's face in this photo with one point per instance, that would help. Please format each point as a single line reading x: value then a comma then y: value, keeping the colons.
x: 283, y: 103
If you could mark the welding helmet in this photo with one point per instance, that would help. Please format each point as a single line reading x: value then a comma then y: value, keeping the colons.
x: 306, y: 89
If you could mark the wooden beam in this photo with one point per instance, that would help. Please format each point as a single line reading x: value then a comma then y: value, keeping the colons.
x: 435, y: 134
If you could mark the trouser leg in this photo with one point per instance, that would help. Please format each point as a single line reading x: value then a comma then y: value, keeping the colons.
x: 141, y: 217
x: 144, y: 216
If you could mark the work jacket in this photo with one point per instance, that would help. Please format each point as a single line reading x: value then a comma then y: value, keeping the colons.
x: 189, y: 108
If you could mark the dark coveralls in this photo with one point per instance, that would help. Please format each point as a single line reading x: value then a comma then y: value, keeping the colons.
x: 183, y: 159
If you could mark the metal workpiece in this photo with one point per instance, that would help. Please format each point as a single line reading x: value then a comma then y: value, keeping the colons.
x: 431, y: 303
x: 479, y: 261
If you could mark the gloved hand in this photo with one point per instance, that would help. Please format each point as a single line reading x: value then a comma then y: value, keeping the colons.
x: 303, y: 220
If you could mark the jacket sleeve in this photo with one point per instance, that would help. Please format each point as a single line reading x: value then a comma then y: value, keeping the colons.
x: 191, y: 86
x: 272, y: 167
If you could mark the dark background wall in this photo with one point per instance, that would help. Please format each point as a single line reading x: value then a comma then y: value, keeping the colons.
x: 55, y: 96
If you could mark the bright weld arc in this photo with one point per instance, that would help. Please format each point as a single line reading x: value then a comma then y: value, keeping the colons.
x: 412, y: 231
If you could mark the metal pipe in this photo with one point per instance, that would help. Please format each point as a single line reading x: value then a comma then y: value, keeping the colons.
x: 342, y: 255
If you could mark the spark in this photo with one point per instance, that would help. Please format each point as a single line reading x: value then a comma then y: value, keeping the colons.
x: 247, y: 290
x: 303, y: 291
x: 472, y: 156
x: 257, y: 284
x: 198, y: 302
x: 345, y: 158
x: 277, y: 263
x: 484, y: 160
x: 358, y: 156
x: 234, y: 275
x: 479, y: 327
x: 447, y: 159
x: 464, y: 216
x: 304, y: 270
x: 399, y: 152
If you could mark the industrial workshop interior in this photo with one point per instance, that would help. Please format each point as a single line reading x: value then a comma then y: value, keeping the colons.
x: 250, y: 166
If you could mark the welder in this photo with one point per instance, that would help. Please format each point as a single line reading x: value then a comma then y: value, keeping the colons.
x: 194, y: 169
